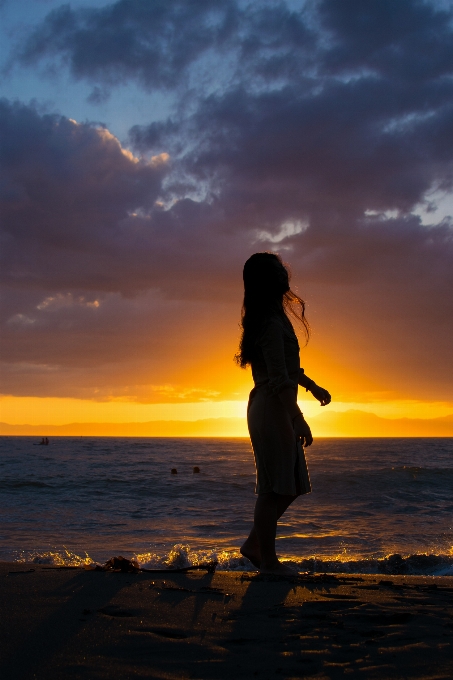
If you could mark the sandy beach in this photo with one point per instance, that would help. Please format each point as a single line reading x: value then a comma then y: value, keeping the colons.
x: 72, y: 623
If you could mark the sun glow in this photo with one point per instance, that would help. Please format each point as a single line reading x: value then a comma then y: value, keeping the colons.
x: 22, y: 415
x: 54, y: 411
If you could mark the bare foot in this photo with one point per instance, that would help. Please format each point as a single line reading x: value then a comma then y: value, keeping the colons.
x: 279, y: 569
x: 251, y: 555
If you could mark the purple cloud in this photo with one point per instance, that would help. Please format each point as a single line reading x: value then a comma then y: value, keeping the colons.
x: 315, y: 132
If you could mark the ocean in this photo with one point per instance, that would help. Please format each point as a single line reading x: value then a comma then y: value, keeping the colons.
x: 377, y: 506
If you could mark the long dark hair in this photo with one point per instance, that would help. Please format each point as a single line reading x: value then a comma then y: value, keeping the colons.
x: 266, y: 293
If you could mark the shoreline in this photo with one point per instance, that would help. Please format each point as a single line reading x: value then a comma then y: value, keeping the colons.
x: 69, y: 622
x: 438, y: 565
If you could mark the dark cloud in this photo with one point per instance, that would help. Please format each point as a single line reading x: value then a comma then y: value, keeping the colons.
x: 67, y: 193
x: 409, y: 40
x: 314, y: 132
x: 153, y: 42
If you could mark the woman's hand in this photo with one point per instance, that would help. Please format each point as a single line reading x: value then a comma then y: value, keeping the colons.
x: 302, y: 431
x: 320, y: 394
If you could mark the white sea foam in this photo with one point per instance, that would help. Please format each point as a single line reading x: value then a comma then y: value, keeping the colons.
x: 57, y: 558
x: 181, y: 556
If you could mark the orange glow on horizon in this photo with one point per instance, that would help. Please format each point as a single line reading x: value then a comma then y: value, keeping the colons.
x: 29, y: 415
x: 203, y: 393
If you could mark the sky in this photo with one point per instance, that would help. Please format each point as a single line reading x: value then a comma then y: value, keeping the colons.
x: 148, y: 148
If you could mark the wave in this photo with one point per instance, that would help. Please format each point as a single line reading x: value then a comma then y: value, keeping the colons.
x: 179, y: 556
x: 418, y: 564
x: 21, y: 484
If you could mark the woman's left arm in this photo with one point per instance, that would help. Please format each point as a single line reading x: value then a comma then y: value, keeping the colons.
x: 318, y: 392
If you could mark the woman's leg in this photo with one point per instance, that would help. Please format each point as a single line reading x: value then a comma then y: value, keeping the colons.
x: 269, y: 507
x: 251, y: 548
x: 268, y: 510
x: 283, y: 503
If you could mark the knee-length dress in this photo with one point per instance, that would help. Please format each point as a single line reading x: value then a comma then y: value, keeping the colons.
x: 279, y: 456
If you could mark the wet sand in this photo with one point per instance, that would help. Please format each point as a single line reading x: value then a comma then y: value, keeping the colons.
x: 71, y: 623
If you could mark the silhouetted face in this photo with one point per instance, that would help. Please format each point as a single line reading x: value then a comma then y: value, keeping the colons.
x: 265, y: 274
x: 281, y: 276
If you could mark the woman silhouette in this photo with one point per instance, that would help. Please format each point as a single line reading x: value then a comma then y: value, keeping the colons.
x: 277, y: 427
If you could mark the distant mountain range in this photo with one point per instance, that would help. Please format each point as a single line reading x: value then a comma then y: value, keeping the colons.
x: 327, y: 424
